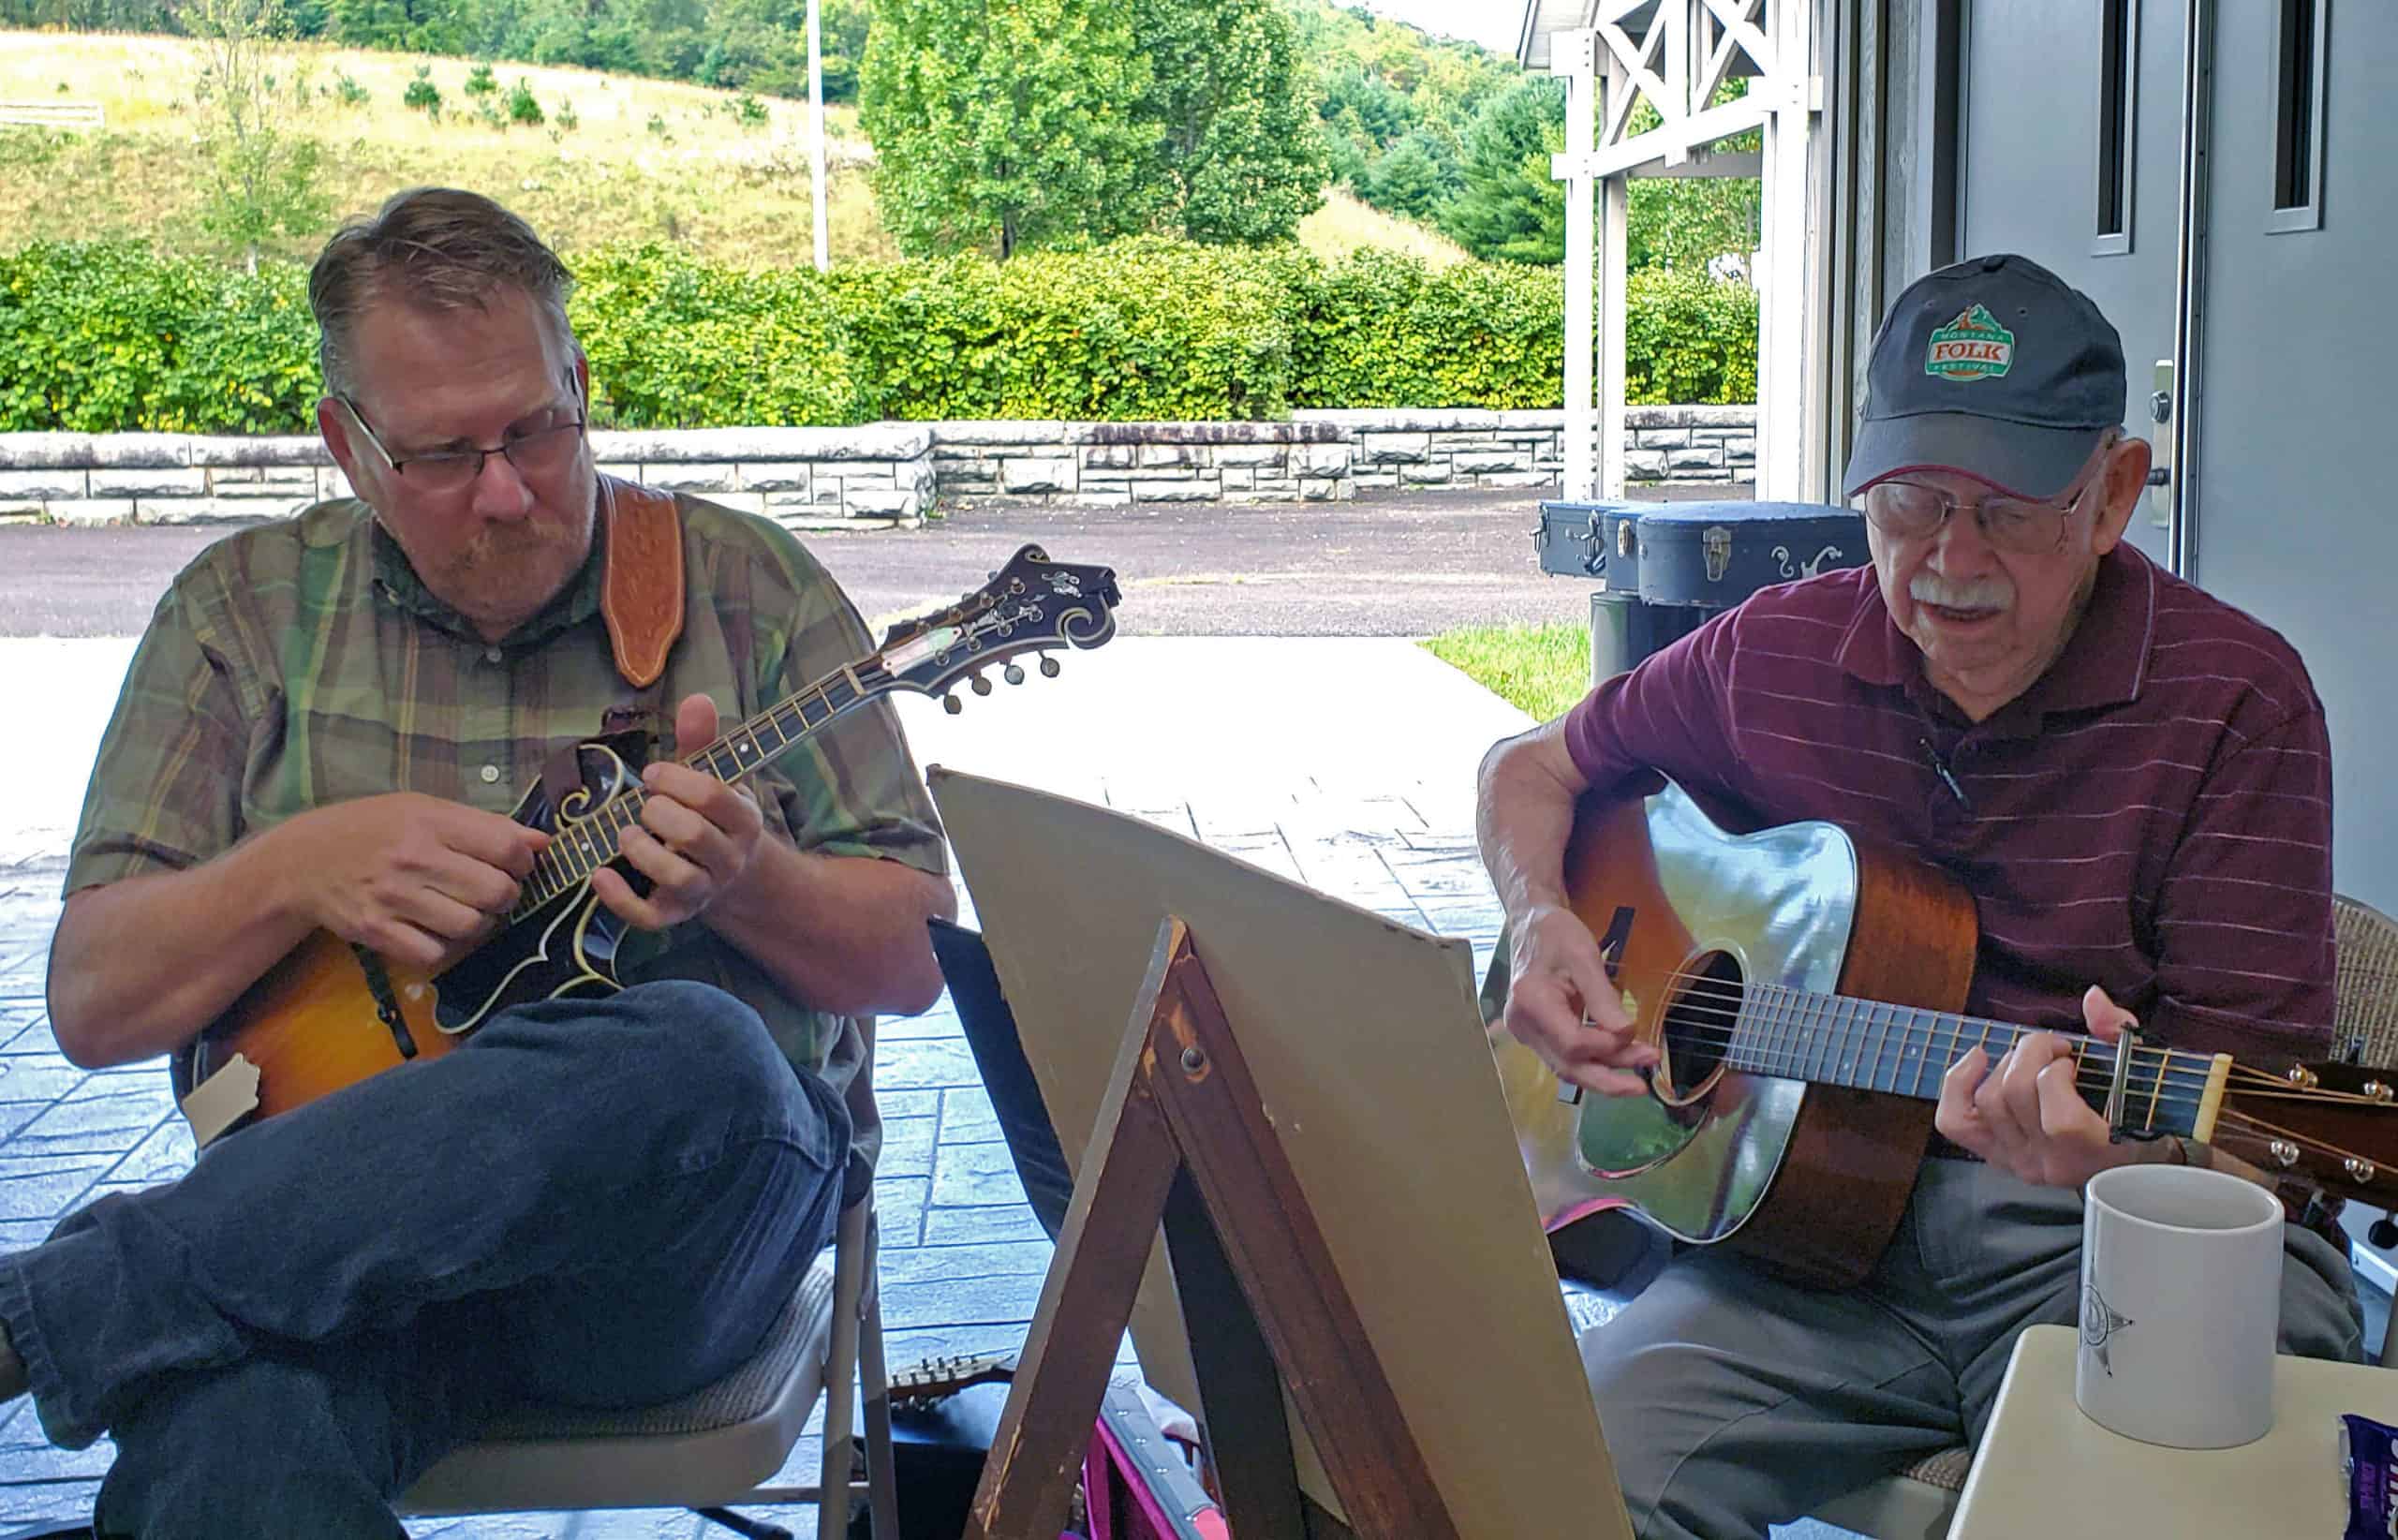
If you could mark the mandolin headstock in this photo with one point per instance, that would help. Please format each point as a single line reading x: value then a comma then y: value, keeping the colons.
x: 1031, y: 605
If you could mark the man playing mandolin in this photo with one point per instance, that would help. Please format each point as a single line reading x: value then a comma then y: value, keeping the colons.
x: 593, y: 1201
x: 2130, y: 778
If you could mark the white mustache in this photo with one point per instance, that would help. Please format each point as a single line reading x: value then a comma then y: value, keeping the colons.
x: 1989, y: 593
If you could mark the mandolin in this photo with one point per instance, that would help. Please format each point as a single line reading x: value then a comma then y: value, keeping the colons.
x: 1802, y: 989
x: 330, y: 1013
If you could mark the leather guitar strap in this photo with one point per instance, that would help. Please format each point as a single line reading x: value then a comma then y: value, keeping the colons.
x: 641, y: 594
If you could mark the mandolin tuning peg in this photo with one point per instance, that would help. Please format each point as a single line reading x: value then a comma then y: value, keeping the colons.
x: 981, y: 686
x: 1048, y: 667
x: 1012, y: 674
x: 952, y: 705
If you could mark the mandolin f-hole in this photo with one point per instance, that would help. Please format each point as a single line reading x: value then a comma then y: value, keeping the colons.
x: 1697, y: 1026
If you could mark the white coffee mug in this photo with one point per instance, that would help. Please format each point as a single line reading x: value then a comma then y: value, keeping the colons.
x: 2181, y: 1305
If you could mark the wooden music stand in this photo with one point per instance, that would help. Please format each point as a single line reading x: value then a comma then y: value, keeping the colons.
x: 1184, y: 1140
x: 1304, y: 1095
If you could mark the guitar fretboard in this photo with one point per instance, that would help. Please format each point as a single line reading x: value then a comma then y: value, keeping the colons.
x: 590, y: 842
x: 1837, y: 1040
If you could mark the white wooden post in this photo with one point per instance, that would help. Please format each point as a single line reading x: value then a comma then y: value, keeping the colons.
x: 1793, y: 96
x: 816, y: 135
x: 1574, y: 56
x: 1615, y: 255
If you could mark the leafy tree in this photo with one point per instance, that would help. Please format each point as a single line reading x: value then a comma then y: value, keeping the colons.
x: 1414, y: 178
x: 1238, y: 144
x: 1684, y: 223
x: 1382, y: 81
x: 412, y: 26
x: 1005, y: 124
x: 264, y: 182
x: 1509, y: 207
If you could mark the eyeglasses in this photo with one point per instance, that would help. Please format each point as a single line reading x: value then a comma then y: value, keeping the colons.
x: 544, y: 452
x: 1910, y: 511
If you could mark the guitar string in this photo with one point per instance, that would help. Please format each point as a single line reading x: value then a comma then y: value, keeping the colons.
x: 2258, y: 1127
x: 2189, y: 1079
x: 2179, y: 1085
x: 1849, y: 1013
x: 1846, y: 1014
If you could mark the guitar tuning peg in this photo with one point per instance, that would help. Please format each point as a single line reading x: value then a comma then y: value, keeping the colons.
x: 981, y: 686
x: 1048, y: 667
x: 952, y: 705
x: 1012, y: 674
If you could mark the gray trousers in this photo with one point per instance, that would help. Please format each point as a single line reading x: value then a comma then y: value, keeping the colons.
x: 1732, y: 1400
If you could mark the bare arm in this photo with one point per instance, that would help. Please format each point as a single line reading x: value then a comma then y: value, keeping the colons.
x: 1559, y: 1002
x: 842, y: 933
x: 139, y: 967
x: 1523, y: 812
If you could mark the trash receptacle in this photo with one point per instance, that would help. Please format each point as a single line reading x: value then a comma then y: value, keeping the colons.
x: 1663, y: 569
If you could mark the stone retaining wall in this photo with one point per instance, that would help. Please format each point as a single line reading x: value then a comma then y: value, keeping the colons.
x: 894, y: 472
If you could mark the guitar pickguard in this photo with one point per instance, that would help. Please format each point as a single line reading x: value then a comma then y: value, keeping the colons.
x: 1780, y: 904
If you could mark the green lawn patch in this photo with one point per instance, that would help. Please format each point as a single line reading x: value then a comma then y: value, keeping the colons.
x: 1540, y: 668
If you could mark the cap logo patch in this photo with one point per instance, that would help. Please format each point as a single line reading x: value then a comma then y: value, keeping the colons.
x: 1973, y: 347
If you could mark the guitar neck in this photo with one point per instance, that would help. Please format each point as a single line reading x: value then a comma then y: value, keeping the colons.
x: 594, y: 839
x: 1835, y: 1040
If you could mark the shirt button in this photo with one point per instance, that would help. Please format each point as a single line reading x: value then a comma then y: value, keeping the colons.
x: 492, y: 654
x: 490, y: 774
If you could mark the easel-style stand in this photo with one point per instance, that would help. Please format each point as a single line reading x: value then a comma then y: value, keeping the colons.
x: 1182, y: 1137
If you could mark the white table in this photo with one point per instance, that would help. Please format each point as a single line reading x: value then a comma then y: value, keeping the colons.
x: 2045, y: 1470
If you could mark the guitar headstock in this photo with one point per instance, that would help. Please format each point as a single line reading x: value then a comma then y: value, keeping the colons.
x: 2334, y: 1125
x: 934, y: 1380
x: 1032, y: 604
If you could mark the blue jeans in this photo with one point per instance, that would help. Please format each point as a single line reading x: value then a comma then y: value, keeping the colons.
x: 592, y: 1203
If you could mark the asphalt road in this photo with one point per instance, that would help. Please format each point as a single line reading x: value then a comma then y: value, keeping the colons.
x: 1400, y: 566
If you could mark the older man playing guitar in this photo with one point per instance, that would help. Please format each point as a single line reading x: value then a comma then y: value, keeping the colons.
x: 2131, y: 779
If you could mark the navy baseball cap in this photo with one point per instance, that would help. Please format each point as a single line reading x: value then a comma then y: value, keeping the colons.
x: 1994, y: 367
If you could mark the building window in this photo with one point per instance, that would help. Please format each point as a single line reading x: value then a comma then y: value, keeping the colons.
x: 2118, y: 113
x: 2300, y: 64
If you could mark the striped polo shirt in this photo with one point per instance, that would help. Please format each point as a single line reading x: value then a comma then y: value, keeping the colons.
x: 2153, y: 816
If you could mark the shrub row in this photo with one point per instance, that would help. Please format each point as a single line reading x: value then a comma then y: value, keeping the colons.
x: 107, y: 337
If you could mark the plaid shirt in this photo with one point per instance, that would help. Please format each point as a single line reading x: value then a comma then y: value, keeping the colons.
x: 303, y: 662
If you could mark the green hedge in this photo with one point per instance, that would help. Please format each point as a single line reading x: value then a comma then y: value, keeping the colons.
x: 101, y: 338
x: 104, y: 338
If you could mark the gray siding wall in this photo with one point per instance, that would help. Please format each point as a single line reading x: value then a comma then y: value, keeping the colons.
x: 2293, y: 520
x: 2030, y: 184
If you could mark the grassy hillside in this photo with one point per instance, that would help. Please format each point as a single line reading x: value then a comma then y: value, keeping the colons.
x: 645, y: 159
x: 1345, y: 224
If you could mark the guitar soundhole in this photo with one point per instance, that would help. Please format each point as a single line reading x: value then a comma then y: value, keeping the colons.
x: 1700, y: 1018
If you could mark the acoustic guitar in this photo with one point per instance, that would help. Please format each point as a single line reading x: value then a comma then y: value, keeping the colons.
x: 330, y: 1013
x: 1803, y: 988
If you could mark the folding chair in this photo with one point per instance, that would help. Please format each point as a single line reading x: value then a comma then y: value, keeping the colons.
x: 715, y: 1447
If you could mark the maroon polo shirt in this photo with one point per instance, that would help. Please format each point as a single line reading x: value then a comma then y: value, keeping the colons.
x: 2154, y: 815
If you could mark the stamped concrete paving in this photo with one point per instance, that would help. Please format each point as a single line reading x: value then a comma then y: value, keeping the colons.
x: 1344, y: 764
